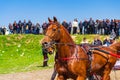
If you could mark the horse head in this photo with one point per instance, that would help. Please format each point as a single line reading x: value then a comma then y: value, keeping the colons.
x: 52, y: 35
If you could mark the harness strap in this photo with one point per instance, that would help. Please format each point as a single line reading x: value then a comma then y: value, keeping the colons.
x: 76, y: 52
x: 89, y: 70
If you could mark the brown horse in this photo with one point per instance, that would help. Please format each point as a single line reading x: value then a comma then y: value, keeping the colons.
x: 103, y: 60
x: 72, y: 60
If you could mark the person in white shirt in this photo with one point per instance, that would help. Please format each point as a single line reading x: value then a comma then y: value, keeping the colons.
x: 75, y: 26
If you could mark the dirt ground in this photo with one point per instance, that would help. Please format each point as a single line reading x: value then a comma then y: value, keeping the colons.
x: 43, y: 75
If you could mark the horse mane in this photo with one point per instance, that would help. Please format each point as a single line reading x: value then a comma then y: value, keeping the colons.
x: 67, y: 34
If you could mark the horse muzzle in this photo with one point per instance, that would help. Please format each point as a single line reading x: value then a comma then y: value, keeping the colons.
x: 48, y: 47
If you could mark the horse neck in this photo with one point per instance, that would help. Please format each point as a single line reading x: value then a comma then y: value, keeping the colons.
x: 65, y: 45
x: 65, y: 37
x: 115, y: 46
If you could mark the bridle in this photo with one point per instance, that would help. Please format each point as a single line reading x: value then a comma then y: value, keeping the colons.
x: 52, y: 41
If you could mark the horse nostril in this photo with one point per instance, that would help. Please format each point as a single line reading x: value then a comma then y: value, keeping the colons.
x: 50, y: 52
x: 44, y: 44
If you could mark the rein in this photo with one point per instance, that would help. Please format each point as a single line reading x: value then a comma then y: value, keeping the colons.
x: 106, y: 52
x: 55, y: 43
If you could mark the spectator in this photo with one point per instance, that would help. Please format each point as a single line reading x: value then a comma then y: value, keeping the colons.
x: 45, y: 57
x: 96, y: 26
x: 27, y: 29
x: 112, y: 35
x: 65, y: 24
x: 3, y: 30
x: 10, y: 28
x: 29, y: 26
x: 0, y: 30
x: 33, y: 29
x: 44, y: 26
x: 97, y: 41
x: 104, y: 27
x: 107, y: 29
x: 119, y: 26
x: 116, y: 28
x: 24, y: 25
x: 91, y: 26
x: 69, y: 27
x: 19, y: 28
x: 112, y: 25
x: 84, y: 41
x: 37, y: 28
x: 15, y: 27
x: 80, y: 27
x: 85, y: 29
x: 106, y: 42
x: 75, y: 26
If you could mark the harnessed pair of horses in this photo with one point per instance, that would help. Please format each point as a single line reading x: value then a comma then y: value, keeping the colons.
x: 72, y: 60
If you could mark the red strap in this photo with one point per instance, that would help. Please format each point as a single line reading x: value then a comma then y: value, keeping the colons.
x: 115, y: 55
x: 68, y: 58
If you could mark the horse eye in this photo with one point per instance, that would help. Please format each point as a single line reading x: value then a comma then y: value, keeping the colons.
x: 54, y: 29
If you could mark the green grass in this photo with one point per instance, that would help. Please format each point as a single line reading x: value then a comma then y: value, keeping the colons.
x: 21, y: 53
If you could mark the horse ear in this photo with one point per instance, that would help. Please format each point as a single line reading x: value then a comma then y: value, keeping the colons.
x: 55, y: 19
x: 49, y: 19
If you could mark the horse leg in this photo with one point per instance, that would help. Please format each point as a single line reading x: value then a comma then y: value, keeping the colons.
x: 60, y: 77
x: 91, y: 77
x: 81, y: 78
x: 106, y: 77
x: 54, y: 74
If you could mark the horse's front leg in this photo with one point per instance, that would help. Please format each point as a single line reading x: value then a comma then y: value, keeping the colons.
x: 106, y: 77
x: 54, y: 74
x: 60, y: 77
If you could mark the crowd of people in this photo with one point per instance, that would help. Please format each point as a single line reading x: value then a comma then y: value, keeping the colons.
x: 21, y: 28
x: 103, y: 27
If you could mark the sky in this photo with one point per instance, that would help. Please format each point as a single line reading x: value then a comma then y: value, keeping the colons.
x: 40, y: 10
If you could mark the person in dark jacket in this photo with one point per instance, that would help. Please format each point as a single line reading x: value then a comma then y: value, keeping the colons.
x: 15, y: 27
x: 19, y: 28
x: 44, y: 27
x: 65, y: 24
x: 69, y: 27
x: 80, y: 27
x: 29, y: 26
x: 91, y: 26
x: 45, y: 57
x: 97, y: 41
